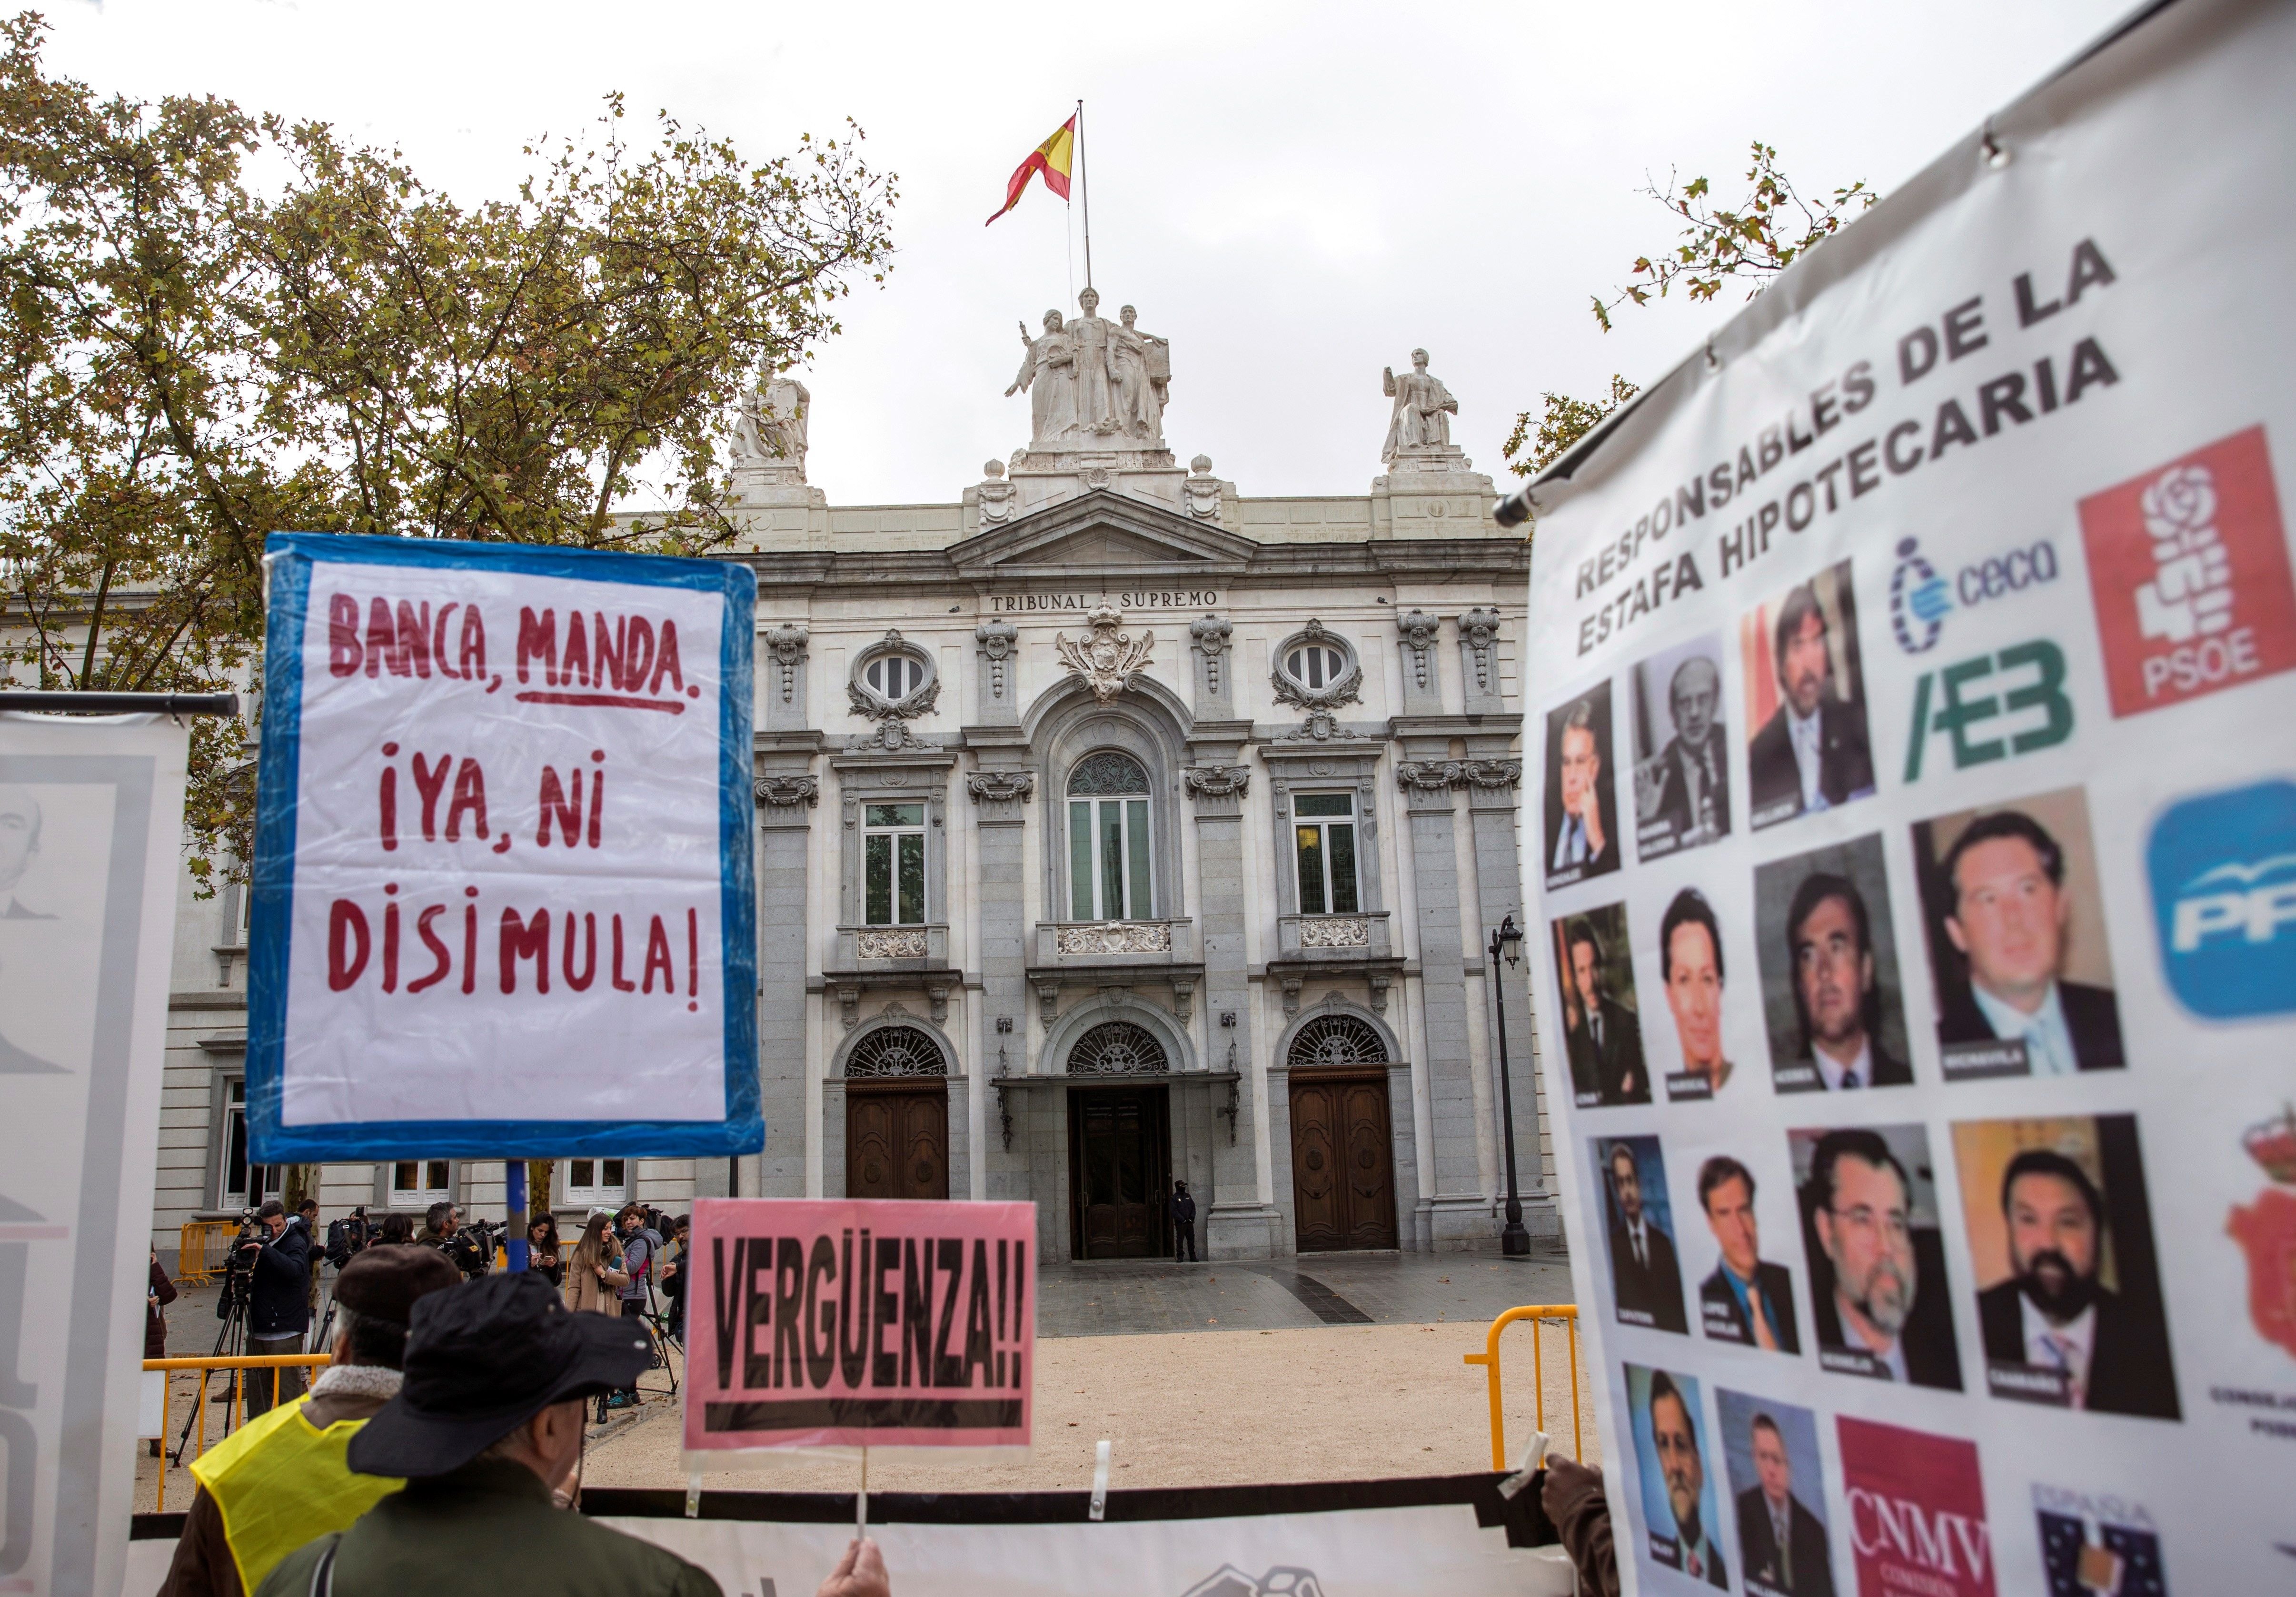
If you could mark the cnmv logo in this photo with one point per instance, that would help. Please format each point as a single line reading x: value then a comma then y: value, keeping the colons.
x: 2224, y: 900
x: 1920, y: 599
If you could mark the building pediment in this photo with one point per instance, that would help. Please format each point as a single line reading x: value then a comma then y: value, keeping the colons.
x: 1101, y: 532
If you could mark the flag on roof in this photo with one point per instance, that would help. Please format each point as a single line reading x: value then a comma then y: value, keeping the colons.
x: 1052, y: 158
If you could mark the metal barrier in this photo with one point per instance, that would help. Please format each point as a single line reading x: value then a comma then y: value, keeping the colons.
x: 200, y: 1254
x: 1538, y: 1315
x: 271, y: 1361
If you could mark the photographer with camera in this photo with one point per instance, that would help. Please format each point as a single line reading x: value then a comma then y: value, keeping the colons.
x: 275, y: 1256
x: 274, y: 1485
x: 468, y: 1251
x: 347, y: 1238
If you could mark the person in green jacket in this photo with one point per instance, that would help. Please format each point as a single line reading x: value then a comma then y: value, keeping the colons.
x: 487, y: 1431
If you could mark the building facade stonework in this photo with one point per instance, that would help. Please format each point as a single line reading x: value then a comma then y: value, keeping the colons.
x: 1113, y: 828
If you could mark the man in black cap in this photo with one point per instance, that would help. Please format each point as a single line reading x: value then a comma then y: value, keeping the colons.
x: 487, y: 1431
x: 281, y: 1479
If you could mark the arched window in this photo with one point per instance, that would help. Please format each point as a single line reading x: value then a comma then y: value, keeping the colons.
x: 1118, y: 1048
x: 1336, y: 1040
x: 1110, y: 845
x: 896, y: 1051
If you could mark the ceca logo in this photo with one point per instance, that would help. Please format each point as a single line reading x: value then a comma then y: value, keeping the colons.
x: 1920, y: 599
x: 2223, y: 868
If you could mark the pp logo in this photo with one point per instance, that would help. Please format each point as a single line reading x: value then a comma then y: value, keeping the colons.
x: 2224, y: 900
x: 2188, y: 566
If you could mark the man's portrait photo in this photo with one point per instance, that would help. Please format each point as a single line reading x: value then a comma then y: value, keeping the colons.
x: 1645, y: 1276
x: 2017, y: 941
x: 1690, y: 972
x: 1677, y: 1496
x: 1602, y: 1026
x: 2067, y: 1282
x: 1682, y: 751
x: 1831, y: 995
x: 1769, y: 1450
x: 1879, y: 1301
x: 1804, y: 702
x: 20, y: 846
x: 1582, y: 806
x: 1747, y: 1299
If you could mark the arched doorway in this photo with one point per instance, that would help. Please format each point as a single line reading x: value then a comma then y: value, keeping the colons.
x: 896, y: 1115
x: 1120, y: 1144
x: 1342, y: 1143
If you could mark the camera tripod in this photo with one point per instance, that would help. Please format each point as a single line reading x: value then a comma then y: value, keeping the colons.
x: 231, y: 1342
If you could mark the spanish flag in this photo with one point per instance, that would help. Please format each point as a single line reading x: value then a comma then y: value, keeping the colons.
x: 1052, y: 158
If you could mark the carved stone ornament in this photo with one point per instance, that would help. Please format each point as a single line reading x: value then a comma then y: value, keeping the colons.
x: 1217, y: 782
x: 1320, y: 726
x: 1428, y: 776
x: 891, y: 737
x: 1479, y: 631
x: 996, y: 638
x: 1001, y: 787
x: 1334, y: 931
x: 1114, y: 936
x: 1491, y: 775
x: 1108, y: 661
x: 1210, y: 636
x: 786, y: 646
x: 1420, y: 630
x: 1202, y: 491
x: 997, y: 499
x: 1336, y: 691
x: 906, y: 943
x: 787, y: 792
x: 917, y: 700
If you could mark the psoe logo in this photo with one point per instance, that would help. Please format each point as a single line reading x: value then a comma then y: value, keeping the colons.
x: 2223, y: 867
x: 1920, y: 599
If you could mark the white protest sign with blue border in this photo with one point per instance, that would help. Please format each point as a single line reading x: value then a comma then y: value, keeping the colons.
x: 502, y: 874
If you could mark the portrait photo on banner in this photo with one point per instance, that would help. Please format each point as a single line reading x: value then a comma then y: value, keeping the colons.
x: 1807, y: 748
x: 1582, y: 802
x: 1639, y: 1232
x: 1745, y: 1279
x: 1682, y: 749
x: 2015, y: 924
x: 1770, y: 1452
x: 1881, y: 1303
x: 2068, y: 1281
x: 1832, y: 999
x: 1712, y: 1031
x: 1602, y: 1023
x: 55, y: 862
x: 1682, y: 1526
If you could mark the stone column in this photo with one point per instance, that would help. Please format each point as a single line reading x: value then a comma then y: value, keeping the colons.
x: 786, y: 800
x: 1458, y: 1210
x: 1237, y: 1224
x: 1493, y: 787
x: 998, y: 796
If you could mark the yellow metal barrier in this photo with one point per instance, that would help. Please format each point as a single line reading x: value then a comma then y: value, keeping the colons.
x: 200, y: 1254
x: 270, y: 1361
x: 1538, y: 1315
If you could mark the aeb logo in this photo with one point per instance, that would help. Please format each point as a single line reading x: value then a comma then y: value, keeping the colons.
x: 2223, y: 868
x: 1920, y: 599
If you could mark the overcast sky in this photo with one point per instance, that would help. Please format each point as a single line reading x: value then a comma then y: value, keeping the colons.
x: 1295, y: 195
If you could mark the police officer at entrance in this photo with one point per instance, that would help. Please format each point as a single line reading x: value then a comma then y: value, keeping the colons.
x: 1184, y: 1223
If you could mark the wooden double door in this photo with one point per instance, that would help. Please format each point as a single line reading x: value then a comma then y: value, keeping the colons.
x: 1342, y: 1160
x: 896, y: 1140
x: 1120, y: 1172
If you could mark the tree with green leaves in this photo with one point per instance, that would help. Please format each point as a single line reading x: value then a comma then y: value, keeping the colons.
x: 1752, y: 242
x: 189, y: 362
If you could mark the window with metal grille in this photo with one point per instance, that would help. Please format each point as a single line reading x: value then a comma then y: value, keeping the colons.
x: 1323, y: 838
x: 896, y: 1051
x: 1337, y: 1040
x: 1118, y: 1048
x: 893, y: 864
x: 1110, y: 844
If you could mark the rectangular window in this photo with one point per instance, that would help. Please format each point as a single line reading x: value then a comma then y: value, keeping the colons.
x: 240, y: 1184
x: 419, y: 1183
x: 893, y: 864
x: 1109, y: 859
x: 1324, y: 837
x: 596, y: 1180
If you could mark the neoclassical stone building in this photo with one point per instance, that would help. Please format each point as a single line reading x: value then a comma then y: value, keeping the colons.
x: 1114, y: 828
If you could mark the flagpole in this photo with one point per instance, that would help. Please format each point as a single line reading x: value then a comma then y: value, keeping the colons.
x: 1084, y: 178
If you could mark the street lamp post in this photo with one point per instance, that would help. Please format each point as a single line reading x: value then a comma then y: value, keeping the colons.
x: 1506, y: 943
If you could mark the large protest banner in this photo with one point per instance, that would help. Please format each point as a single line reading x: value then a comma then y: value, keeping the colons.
x: 858, y: 1322
x: 91, y: 819
x: 1917, y: 834
x: 503, y: 872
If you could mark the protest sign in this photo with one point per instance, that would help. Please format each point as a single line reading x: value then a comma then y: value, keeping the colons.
x: 91, y: 817
x: 1922, y: 1049
x: 859, y: 1322
x: 502, y: 866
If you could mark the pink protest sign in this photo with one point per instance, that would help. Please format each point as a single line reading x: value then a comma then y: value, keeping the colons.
x: 859, y: 1322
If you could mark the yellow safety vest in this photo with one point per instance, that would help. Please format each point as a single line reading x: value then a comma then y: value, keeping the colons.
x: 279, y: 1481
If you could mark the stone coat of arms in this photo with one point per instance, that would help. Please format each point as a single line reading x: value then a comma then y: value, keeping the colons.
x: 1110, y: 659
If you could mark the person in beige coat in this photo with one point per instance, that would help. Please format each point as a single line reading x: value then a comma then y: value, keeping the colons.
x: 593, y: 1274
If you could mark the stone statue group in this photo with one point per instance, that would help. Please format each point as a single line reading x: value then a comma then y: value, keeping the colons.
x: 1092, y: 380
